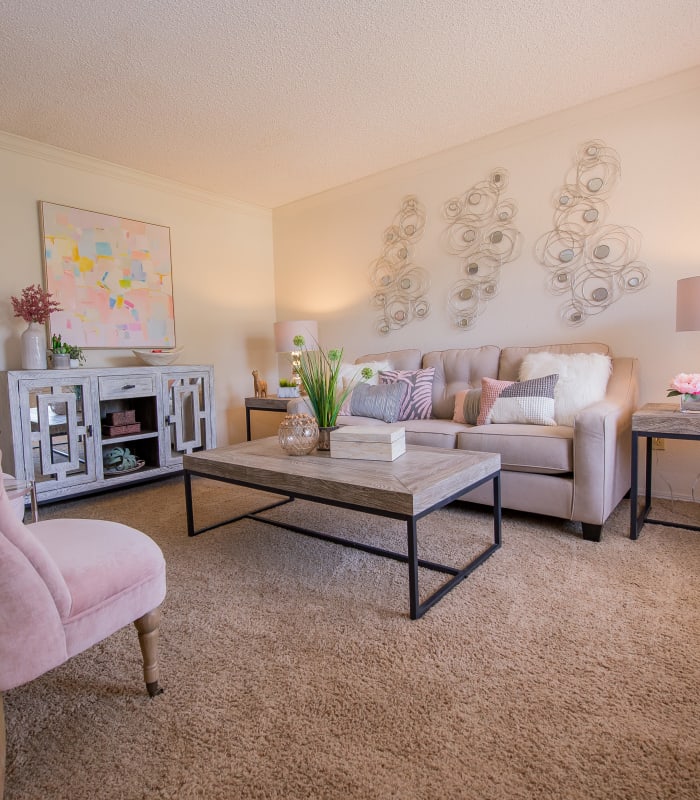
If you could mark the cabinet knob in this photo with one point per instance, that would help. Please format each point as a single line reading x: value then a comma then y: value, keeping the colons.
x: 128, y: 386
x: 88, y: 431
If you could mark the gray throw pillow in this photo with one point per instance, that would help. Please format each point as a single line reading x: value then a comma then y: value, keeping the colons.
x: 378, y: 402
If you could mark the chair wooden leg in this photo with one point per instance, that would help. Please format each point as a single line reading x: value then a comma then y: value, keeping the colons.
x: 147, y: 627
x: 2, y: 747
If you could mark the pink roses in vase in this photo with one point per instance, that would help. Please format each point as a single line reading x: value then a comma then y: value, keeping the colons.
x: 686, y: 385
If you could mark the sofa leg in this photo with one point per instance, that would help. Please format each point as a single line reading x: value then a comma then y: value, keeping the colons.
x: 591, y: 532
x: 147, y: 627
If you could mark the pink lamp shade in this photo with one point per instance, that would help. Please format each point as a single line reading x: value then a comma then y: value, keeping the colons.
x: 286, y: 331
x: 688, y: 304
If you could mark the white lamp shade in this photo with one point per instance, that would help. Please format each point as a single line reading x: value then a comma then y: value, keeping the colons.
x: 286, y: 331
x: 688, y: 304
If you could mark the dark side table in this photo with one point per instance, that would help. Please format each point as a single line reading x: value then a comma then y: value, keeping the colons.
x: 263, y: 404
x: 660, y: 421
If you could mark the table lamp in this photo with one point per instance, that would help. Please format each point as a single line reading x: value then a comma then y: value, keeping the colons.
x: 688, y: 304
x: 285, y: 332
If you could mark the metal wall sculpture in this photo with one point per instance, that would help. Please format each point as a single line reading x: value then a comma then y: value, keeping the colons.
x: 399, y: 285
x: 482, y: 233
x: 592, y: 263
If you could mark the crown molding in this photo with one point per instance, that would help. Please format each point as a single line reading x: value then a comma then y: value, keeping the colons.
x: 68, y: 158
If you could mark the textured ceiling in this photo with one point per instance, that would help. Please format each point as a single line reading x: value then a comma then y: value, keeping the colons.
x: 268, y: 101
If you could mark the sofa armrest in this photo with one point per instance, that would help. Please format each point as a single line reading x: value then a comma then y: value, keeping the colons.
x: 602, y: 446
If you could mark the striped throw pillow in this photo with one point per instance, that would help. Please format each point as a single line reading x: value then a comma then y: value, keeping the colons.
x: 417, y: 400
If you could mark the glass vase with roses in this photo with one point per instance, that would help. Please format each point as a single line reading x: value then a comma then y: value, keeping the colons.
x: 686, y: 385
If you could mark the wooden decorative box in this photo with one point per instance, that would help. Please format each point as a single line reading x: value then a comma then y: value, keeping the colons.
x: 369, y: 442
x: 121, y: 417
x: 121, y: 430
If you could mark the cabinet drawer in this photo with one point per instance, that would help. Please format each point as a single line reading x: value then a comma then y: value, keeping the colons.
x: 111, y: 388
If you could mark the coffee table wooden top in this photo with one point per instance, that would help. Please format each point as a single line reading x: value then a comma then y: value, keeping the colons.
x: 410, y: 485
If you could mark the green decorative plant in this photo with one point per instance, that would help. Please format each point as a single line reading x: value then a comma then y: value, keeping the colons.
x: 287, y: 383
x: 319, y: 372
x: 63, y: 348
x: 76, y: 353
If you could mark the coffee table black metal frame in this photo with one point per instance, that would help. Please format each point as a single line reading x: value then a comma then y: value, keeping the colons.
x: 416, y: 608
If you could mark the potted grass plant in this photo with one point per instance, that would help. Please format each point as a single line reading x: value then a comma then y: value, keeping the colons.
x: 319, y: 373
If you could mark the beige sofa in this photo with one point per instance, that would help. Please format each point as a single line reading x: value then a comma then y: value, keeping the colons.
x: 577, y: 473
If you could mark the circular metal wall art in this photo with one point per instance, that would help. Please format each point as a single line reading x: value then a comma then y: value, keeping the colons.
x: 400, y: 286
x: 600, y: 260
x: 481, y: 232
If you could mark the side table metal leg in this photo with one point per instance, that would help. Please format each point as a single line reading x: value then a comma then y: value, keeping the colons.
x: 188, y: 503
x: 634, y: 533
x: 247, y: 423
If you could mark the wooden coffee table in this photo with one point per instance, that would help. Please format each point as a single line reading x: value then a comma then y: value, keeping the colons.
x: 419, y: 482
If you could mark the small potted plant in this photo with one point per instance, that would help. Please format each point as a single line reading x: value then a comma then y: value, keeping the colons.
x: 287, y: 388
x: 319, y: 373
x: 76, y: 355
x: 62, y: 353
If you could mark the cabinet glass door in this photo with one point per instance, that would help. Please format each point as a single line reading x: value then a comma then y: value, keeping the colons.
x: 60, y: 446
x: 186, y: 402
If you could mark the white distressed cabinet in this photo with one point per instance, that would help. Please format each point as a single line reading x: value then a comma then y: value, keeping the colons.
x: 54, y: 424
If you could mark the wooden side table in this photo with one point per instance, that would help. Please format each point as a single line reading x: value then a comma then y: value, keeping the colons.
x: 661, y: 421
x: 263, y: 404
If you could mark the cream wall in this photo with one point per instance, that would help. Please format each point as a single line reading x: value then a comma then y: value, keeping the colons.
x: 325, y: 244
x: 221, y: 254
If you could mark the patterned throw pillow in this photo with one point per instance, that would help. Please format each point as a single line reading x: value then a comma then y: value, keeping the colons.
x: 418, y: 397
x: 530, y: 402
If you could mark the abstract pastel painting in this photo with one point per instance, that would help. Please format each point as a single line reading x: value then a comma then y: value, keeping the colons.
x: 112, y: 277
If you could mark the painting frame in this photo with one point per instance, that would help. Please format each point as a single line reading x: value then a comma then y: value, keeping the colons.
x: 112, y: 276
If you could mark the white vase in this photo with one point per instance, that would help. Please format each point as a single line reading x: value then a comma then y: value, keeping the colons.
x: 34, y: 347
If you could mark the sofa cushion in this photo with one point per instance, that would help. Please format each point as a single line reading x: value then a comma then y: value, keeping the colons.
x: 512, y: 357
x: 528, y: 448
x: 457, y: 370
x: 529, y: 402
x: 417, y: 401
x: 398, y: 359
x: 427, y: 432
x: 112, y: 571
x: 583, y: 379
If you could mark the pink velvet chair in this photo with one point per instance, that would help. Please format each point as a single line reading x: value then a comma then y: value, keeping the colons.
x: 66, y: 584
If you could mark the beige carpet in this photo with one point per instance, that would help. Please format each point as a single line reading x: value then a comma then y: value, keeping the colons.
x: 559, y: 669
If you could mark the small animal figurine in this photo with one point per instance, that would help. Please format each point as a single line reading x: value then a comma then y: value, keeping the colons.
x: 260, y: 385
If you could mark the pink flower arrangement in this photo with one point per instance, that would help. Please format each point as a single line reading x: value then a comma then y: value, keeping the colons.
x: 35, y: 305
x: 685, y: 384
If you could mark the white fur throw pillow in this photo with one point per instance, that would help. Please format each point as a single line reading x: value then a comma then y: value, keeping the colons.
x: 583, y: 379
